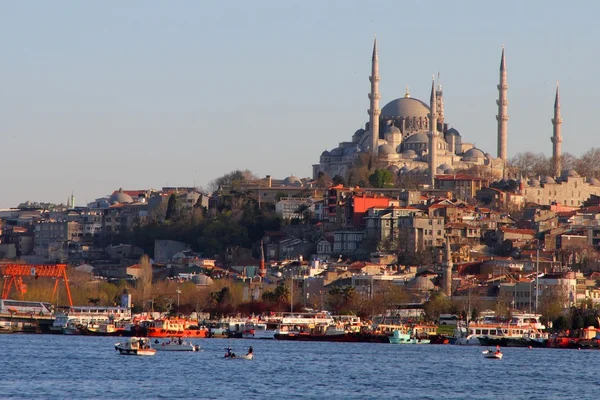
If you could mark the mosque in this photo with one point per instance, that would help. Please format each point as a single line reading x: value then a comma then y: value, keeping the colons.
x: 413, y: 137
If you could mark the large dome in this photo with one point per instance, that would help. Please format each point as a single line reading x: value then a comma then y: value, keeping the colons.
x: 120, y: 197
x: 405, y: 107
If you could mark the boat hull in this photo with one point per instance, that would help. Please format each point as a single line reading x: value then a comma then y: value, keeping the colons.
x: 347, y: 337
x: 186, y: 333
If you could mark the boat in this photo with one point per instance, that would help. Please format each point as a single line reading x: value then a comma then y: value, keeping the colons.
x: 521, y: 330
x: 492, y: 354
x: 232, y: 356
x: 259, y: 330
x: 6, y: 327
x: 407, y: 336
x: 85, y: 315
x: 135, y: 346
x: 175, y: 345
x: 166, y: 328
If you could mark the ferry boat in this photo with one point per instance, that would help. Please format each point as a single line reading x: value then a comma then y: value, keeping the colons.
x: 586, y: 338
x: 135, y: 346
x: 84, y: 315
x: 165, y: 328
x: 521, y: 330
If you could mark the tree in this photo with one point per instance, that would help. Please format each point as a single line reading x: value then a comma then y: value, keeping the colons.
x: 381, y: 178
x: 144, y: 282
x: 231, y: 179
x: 338, y: 180
x: 438, y: 304
x: 171, y: 207
x: 552, y: 301
x: 588, y: 164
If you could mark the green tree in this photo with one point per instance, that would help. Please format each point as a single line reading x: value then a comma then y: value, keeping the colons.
x: 381, y: 178
x: 338, y: 180
x: 171, y: 207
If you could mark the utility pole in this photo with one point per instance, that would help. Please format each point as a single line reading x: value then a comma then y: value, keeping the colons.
x: 178, y: 293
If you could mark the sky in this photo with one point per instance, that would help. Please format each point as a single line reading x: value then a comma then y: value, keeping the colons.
x: 99, y: 95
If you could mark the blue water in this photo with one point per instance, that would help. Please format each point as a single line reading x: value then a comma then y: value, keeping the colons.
x: 68, y: 367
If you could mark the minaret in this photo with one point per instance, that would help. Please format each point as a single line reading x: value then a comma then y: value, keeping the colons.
x: 502, y: 116
x: 262, y: 271
x: 440, y: 103
x: 432, y: 134
x: 374, y: 111
x: 556, y: 136
x: 448, y: 270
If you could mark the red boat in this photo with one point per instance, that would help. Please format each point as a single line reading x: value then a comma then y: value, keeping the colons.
x: 163, y: 328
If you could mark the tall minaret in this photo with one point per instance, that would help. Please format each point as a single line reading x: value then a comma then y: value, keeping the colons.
x: 374, y: 111
x: 440, y: 103
x: 432, y: 134
x: 448, y: 270
x: 556, y: 136
x: 502, y: 116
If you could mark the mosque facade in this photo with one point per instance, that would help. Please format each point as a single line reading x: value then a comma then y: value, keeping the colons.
x: 410, y: 138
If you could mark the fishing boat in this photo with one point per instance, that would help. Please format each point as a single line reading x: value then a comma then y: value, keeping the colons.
x: 407, y: 337
x: 175, y: 345
x: 135, y: 346
x: 230, y: 355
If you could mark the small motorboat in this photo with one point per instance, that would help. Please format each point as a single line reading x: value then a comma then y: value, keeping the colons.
x: 492, y: 354
x: 135, y: 346
x: 232, y: 356
x: 175, y: 345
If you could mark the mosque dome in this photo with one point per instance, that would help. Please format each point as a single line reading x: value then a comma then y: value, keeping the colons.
x: 351, y: 150
x: 594, y: 182
x: 325, y: 154
x: 336, y: 152
x: 445, y: 166
x: 420, y: 137
x: 451, y: 132
x: 405, y: 107
x: 547, y: 179
x: 449, y: 171
x: 120, y: 197
x: 534, y: 182
x: 571, y: 173
x: 421, y: 283
x: 386, y: 149
x: 409, y: 154
x: 292, y: 180
x: 358, y: 135
x: 473, y: 154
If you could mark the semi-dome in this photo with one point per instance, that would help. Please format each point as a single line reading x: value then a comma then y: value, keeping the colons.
x: 449, y: 171
x: 120, y: 197
x: 351, y: 150
x: 325, y: 154
x: 336, y: 152
x: 420, y: 137
x: 445, y: 166
x: 386, y: 149
x: 358, y: 135
x: 594, y: 182
x: 409, y: 154
x: 405, y: 107
x: 474, y: 153
x: 451, y: 132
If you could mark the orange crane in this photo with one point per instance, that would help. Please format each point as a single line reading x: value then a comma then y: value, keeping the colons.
x: 14, y: 273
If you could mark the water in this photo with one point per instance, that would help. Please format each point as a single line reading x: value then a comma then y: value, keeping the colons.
x: 66, y: 367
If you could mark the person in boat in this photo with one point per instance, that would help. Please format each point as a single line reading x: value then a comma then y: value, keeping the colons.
x: 497, y: 349
x: 249, y: 351
x: 230, y: 353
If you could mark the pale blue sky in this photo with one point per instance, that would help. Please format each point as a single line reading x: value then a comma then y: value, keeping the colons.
x: 99, y: 95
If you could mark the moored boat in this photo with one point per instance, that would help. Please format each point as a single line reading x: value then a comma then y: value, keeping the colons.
x: 135, y: 346
x: 166, y: 328
x: 175, y: 345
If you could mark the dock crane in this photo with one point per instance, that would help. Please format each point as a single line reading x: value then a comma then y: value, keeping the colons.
x: 14, y: 273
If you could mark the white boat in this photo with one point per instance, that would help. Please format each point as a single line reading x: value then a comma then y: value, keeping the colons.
x: 135, y: 346
x: 259, y: 330
x: 175, y: 345
x: 492, y: 354
x: 232, y: 356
